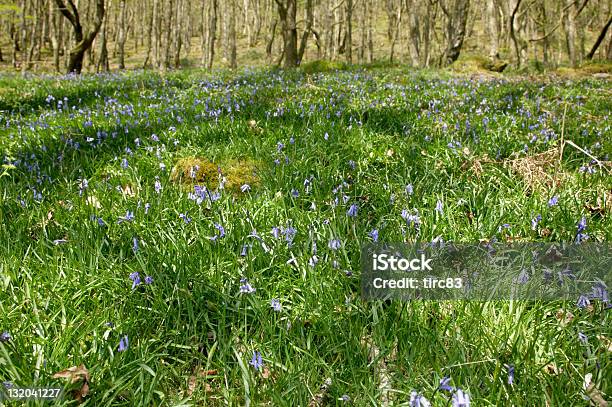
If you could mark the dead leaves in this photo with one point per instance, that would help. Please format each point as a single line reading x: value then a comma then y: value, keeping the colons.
x: 76, y: 374
x: 199, y: 372
x: 592, y: 392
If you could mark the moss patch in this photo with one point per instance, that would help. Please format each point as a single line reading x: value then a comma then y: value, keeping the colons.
x: 197, y: 170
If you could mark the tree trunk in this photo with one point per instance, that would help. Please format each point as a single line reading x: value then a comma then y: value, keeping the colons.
x: 492, y: 29
x: 287, y: 12
x: 83, y: 41
x: 212, y: 30
x: 307, y: 29
x: 178, y: 34
x: 54, y: 34
x: 122, y: 37
x: 349, y: 32
x: 455, y: 30
x: 232, y: 35
x: 413, y: 25
x: 600, y: 38
x: 103, y: 59
x: 570, y: 31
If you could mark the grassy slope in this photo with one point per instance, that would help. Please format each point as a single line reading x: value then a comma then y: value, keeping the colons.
x: 395, y: 126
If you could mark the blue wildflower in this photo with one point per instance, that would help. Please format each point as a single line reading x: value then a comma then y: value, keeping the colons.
x: 135, y: 277
x: 148, y: 280
x: 275, y: 304
x: 334, y: 244
x: 135, y: 245
x: 583, y: 302
x: 5, y: 336
x: 256, y: 361
x: 374, y: 235
x: 444, y: 384
x: 553, y: 201
x: 246, y: 288
x: 352, y: 211
x: 510, y: 374
x: 123, y: 344
x: 439, y: 207
x: 124, y: 163
x: 245, y: 188
x: 460, y: 399
x: 583, y: 338
x: 417, y: 400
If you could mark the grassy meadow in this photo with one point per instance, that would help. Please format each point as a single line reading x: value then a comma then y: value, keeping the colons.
x: 193, y: 238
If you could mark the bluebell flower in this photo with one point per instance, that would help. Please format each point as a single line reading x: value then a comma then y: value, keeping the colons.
x: 553, y: 201
x: 123, y: 344
x: 275, y: 304
x: 245, y: 188
x: 352, y: 211
x: 83, y: 186
x: 409, y: 189
x: 246, y: 288
x: 417, y: 400
x: 148, y: 280
x: 5, y: 336
x: 535, y: 221
x: 460, y: 399
x: 158, y: 186
x: 334, y: 244
x: 146, y: 207
x: 185, y: 218
x: 256, y: 361
x: 312, y: 262
x: 583, y: 338
x: 124, y: 163
x: 374, y: 235
x: 135, y: 277
x: 7, y: 384
x: 439, y: 207
x: 290, y: 233
x: 220, y: 232
x: 129, y: 216
x: 275, y: 232
x: 510, y: 374
x: 135, y: 245
x: 583, y: 302
x: 444, y: 384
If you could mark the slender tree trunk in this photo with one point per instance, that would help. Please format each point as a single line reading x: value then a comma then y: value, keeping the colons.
x: 54, y: 34
x: 455, y: 29
x: 103, y: 64
x: 348, y: 35
x: 570, y: 31
x: 122, y: 37
x: 413, y: 26
x: 600, y: 38
x: 212, y: 30
x: 287, y: 11
x: 492, y: 28
x: 178, y: 34
x: 232, y: 35
x: 307, y: 29
x: 83, y: 41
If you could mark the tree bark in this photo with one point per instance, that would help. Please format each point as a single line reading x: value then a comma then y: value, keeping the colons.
x: 600, y: 38
x: 455, y: 29
x: 287, y: 12
x: 570, y: 31
x: 122, y: 37
x: 232, y: 35
x: 83, y: 41
x: 307, y: 30
x: 348, y: 35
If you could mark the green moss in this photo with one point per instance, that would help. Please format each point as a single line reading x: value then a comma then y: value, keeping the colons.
x: 323, y: 66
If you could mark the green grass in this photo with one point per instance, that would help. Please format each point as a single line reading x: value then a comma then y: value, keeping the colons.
x: 385, y: 129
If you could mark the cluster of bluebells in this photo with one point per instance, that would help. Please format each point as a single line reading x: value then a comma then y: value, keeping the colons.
x: 136, y: 281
